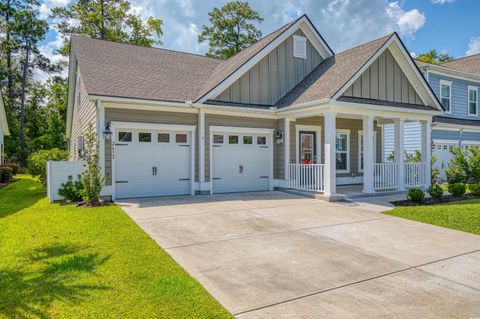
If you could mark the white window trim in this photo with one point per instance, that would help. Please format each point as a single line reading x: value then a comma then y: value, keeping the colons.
x: 472, y: 88
x: 314, y: 128
x: 449, y: 84
x: 360, y: 133
x: 347, y: 132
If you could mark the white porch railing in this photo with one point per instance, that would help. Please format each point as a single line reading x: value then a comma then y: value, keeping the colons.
x: 385, y: 176
x: 414, y: 174
x: 307, y: 177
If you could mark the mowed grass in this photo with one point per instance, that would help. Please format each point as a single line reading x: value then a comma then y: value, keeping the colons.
x: 68, y: 262
x: 464, y: 215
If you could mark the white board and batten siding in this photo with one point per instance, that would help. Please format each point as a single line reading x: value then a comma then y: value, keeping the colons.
x: 57, y: 174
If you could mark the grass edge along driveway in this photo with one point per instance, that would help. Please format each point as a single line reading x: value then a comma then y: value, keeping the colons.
x: 462, y: 215
x: 68, y: 262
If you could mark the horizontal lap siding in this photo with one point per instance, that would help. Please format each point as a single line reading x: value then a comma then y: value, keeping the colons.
x: 152, y: 117
x: 412, y: 138
x: 271, y: 78
x: 236, y: 121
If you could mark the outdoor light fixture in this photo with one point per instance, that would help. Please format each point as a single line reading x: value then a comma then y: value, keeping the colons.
x: 279, y: 136
x: 107, y: 132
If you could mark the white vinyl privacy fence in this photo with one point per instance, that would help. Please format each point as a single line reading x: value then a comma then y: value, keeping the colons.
x: 57, y: 174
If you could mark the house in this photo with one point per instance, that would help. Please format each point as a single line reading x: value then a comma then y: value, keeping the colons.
x: 285, y: 112
x: 3, y: 129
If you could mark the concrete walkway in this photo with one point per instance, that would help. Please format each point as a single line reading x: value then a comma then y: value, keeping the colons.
x: 275, y: 255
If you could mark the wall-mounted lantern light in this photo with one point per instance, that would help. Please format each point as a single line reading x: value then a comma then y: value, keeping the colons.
x: 279, y: 136
x: 107, y: 132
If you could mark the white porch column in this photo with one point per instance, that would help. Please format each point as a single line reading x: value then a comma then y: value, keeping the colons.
x: 368, y: 154
x: 201, y: 150
x: 101, y: 141
x: 286, y: 145
x: 330, y: 181
x: 427, y: 150
x: 399, y: 152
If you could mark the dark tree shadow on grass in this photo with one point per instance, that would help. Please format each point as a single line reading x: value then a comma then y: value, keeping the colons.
x: 26, y: 294
x: 20, y: 195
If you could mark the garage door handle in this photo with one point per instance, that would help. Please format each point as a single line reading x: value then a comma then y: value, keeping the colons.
x: 217, y: 178
x: 263, y: 176
x: 184, y: 179
x: 240, y: 169
x: 121, y: 182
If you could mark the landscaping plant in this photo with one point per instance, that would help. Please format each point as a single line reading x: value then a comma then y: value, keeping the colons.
x: 474, y: 189
x: 458, y: 170
x: 457, y: 189
x: 473, y: 161
x: 37, y: 162
x: 92, y: 179
x: 435, y: 191
x: 5, y: 174
x: 72, y: 191
x: 416, y: 195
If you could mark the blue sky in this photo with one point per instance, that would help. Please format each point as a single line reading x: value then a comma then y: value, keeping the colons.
x: 451, y: 26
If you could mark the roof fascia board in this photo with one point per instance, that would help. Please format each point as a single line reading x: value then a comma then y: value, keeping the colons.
x: 254, y: 60
x: 3, y: 117
x: 452, y: 73
x: 380, y: 108
x: 455, y: 127
x: 72, y: 66
x: 316, y: 39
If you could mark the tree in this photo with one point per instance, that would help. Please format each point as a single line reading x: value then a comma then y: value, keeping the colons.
x: 434, y: 57
x: 108, y: 20
x: 232, y: 29
x: 92, y: 179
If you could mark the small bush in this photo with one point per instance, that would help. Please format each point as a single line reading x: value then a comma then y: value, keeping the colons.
x: 15, y: 168
x: 457, y: 189
x: 71, y: 191
x: 37, y: 162
x: 435, y: 191
x: 416, y: 195
x: 474, y: 189
x: 5, y: 174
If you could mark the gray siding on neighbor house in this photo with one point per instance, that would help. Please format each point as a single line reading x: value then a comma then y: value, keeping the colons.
x: 384, y: 80
x: 272, y: 77
x: 84, y: 113
x: 153, y: 117
x: 236, y: 121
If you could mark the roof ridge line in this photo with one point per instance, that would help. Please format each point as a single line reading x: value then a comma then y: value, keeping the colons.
x: 461, y: 58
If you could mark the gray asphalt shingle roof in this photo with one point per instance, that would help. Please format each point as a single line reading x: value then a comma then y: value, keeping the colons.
x: 469, y: 64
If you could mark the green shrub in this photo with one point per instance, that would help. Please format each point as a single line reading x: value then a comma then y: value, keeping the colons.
x: 5, y: 174
x: 71, y: 191
x: 15, y: 168
x: 473, y: 159
x: 458, y: 167
x: 37, y: 162
x: 457, y: 189
x: 474, y: 189
x: 435, y: 191
x: 416, y: 195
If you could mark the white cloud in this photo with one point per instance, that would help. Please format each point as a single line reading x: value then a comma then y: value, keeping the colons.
x: 408, y: 22
x: 473, y: 46
x: 47, y: 5
x: 442, y: 1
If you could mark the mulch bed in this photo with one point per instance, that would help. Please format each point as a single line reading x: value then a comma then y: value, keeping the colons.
x: 12, y: 181
x: 432, y: 201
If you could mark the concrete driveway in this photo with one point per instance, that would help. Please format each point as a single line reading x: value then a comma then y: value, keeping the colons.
x: 275, y: 255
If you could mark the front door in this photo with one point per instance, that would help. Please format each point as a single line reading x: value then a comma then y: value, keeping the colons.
x: 308, y: 147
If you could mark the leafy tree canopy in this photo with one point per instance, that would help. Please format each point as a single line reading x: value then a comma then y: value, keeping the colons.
x: 231, y: 30
x: 434, y: 57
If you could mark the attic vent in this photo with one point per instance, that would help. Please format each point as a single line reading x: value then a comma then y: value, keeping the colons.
x: 299, y: 47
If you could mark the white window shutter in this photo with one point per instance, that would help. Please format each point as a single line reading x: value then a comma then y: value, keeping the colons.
x: 299, y: 47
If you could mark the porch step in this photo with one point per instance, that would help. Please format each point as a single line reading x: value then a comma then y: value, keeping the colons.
x: 310, y: 194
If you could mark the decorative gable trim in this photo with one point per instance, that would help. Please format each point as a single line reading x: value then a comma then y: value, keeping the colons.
x: 302, y: 23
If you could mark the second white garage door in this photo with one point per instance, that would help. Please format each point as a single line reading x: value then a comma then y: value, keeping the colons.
x: 241, y: 162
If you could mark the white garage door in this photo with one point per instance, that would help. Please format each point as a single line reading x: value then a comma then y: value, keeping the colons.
x: 442, y: 153
x: 152, y: 163
x: 241, y: 162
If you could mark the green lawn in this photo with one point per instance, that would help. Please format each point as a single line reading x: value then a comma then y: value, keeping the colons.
x: 464, y: 216
x: 68, y: 262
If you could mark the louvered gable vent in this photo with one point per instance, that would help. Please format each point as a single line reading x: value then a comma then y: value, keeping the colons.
x: 299, y: 47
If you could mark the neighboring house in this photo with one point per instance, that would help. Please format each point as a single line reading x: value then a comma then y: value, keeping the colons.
x: 3, y: 129
x: 285, y: 112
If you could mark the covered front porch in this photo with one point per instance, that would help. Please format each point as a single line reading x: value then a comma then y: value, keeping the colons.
x: 336, y: 154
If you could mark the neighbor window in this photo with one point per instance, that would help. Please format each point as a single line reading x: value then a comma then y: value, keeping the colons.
x: 145, y: 137
x: 247, y: 140
x: 163, y: 138
x: 181, y: 138
x: 445, y: 95
x: 217, y: 139
x: 261, y: 140
x: 472, y: 100
x: 124, y: 136
x: 342, y: 153
x: 233, y: 139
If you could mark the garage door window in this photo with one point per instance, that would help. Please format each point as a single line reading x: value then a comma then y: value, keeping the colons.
x: 248, y: 140
x: 217, y: 139
x: 261, y: 140
x: 233, y: 139
x: 145, y: 137
x: 163, y: 138
x: 181, y: 138
x: 124, y: 136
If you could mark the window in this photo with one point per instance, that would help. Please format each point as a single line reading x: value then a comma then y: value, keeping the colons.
x: 360, y: 149
x: 342, y: 151
x: 261, y: 140
x: 163, y: 138
x: 472, y: 100
x: 217, y: 139
x: 445, y: 95
x: 145, y: 137
x: 248, y: 140
x: 233, y: 139
x: 299, y: 47
x: 124, y: 136
x: 181, y: 138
